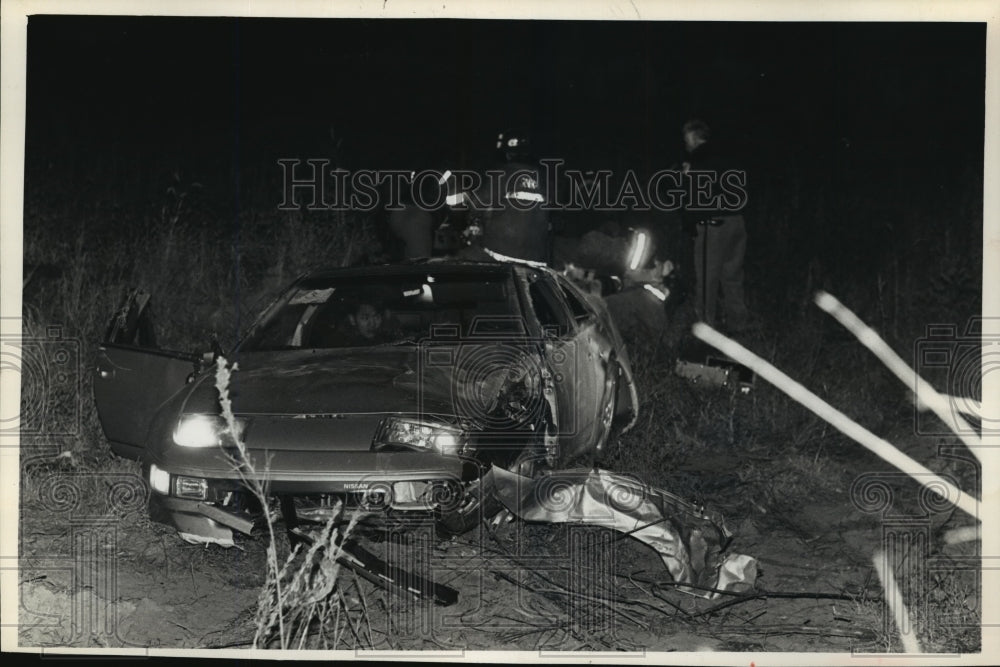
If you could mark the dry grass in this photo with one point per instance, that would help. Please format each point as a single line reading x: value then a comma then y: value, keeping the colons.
x: 762, y: 459
x: 205, y: 280
x: 302, y: 604
x: 210, y: 265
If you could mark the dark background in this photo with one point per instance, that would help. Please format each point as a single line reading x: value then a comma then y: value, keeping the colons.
x: 863, y: 141
x: 440, y: 89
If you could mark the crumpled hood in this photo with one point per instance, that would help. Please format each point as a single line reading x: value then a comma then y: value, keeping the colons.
x: 404, y: 378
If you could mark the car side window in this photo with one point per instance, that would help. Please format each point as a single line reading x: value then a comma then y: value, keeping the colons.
x: 578, y: 309
x: 549, y: 308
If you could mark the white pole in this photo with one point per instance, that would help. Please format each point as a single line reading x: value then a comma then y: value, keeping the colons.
x: 837, y: 419
x: 922, y: 390
x: 967, y: 406
x: 894, y: 600
x: 961, y: 534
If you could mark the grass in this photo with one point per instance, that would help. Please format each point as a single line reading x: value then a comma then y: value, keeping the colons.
x: 204, y: 281
x: 210, y: 267
x: 301, y: 597
x: 768, y: 456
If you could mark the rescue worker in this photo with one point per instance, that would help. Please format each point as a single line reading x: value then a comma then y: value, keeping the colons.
x: 714, y: 219
x: 508, y: 208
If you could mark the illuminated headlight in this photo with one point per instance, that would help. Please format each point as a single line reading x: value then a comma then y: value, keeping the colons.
x: 420, y: 434
x: 206, y: 431
x: 159, y: 480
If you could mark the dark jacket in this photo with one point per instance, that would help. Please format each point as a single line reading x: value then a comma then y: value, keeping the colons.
x: 513, y: 218
x: 715, y: 185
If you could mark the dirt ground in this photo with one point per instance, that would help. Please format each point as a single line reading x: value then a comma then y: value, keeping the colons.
x: 122, y: 581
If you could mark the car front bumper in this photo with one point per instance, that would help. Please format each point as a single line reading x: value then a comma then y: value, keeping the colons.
x: 197, y: 501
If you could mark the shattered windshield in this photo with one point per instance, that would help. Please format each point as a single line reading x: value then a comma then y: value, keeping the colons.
x: 329, y: 312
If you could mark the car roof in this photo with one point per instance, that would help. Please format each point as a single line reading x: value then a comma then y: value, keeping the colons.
x: 416, y: 267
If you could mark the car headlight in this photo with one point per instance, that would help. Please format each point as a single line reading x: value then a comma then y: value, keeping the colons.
x: 206, y: 431
x: 411, y: 432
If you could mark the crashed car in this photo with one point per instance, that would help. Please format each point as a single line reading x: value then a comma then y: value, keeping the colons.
x: 396, y: 387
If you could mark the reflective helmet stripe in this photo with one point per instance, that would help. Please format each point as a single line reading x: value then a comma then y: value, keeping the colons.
x: 526, y: 196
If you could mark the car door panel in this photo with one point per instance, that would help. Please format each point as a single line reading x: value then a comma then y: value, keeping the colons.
x: 611, y: 343
x: 130, y: 385
x: 592, y: 372
x: 131, y: 382
x: 574, y: 362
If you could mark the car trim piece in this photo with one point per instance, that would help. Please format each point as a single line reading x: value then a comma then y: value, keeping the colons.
x: 217, y: 514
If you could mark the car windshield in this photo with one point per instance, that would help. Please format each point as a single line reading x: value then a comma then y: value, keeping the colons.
x: 332, y: 312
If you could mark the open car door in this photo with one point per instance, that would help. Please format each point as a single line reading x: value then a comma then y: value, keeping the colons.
x: 133, y: 378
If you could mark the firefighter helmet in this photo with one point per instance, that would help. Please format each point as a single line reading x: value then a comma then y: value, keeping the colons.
x: 513, y: 144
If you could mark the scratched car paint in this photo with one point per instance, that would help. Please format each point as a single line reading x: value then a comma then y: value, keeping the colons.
x: 472, y: 364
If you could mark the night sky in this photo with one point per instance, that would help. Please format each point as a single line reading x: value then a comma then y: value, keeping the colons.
x: 422, y: 92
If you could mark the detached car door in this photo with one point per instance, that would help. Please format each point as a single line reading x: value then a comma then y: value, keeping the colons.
x: 133, y: 378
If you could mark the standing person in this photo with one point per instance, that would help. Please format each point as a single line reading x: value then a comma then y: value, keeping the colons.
x: 509, y: 205
x: 713, y: 217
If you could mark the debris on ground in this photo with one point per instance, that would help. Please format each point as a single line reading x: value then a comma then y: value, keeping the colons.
x: 690, y: 541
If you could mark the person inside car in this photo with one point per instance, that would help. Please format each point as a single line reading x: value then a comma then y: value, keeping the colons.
x: 366, y: 323
x: 367, y: 320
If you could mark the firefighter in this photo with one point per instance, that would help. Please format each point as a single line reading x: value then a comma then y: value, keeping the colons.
x: 508, y: 207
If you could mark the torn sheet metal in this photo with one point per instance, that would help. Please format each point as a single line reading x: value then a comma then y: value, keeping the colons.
x: 690, y: 541
x: 196, y: 529
x: 225, y: 541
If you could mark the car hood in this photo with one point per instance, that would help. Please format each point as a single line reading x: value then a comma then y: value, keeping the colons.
x: 386, y: 379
